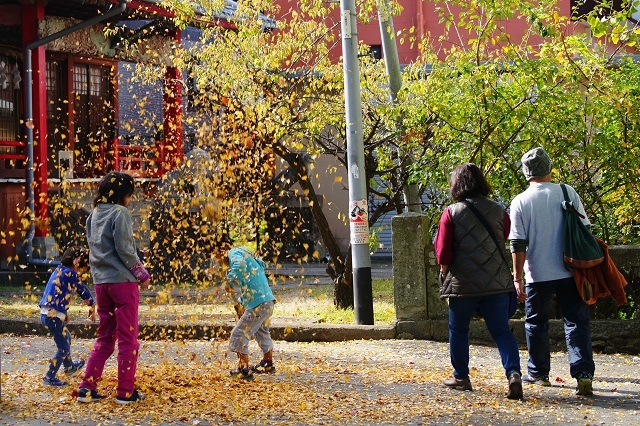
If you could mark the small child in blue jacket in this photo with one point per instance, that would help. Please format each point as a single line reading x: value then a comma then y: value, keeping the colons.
x: 246, y: 274
x: 54, y: 310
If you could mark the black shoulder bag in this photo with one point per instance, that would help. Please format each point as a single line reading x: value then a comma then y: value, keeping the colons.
x: 513, y: 297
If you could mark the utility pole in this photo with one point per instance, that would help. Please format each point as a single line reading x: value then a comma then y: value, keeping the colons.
x: 358, y: 206
x: 390, y: 48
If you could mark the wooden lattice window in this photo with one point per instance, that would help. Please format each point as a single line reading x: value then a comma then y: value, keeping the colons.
x: 93, y: 116
x: 12, y: 149
x: 10, y: 102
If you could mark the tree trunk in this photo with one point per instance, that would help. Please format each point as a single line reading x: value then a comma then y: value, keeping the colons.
x: 343, y: 286
x: 339, y: 269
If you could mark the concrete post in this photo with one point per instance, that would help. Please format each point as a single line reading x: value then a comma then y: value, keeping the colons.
x: 415, y: 279
x: 409, y: 236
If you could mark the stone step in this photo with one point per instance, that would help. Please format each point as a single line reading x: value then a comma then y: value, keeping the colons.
x: 23, y: 278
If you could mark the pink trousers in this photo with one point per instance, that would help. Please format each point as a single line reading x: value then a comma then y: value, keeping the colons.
x: 118, y: 313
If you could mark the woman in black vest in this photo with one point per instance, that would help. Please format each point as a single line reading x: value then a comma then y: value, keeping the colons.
x: 474, y: 274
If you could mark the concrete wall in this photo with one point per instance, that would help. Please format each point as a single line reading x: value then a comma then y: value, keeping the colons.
x: 422, y: 314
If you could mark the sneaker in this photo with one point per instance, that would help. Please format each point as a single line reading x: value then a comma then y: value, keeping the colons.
x: 86, y: 395
x: 53, y: 381
x: 585, y: 385
x: 537, y: 380
x: 135, y: 396
x: 458, y: 384
x: 515, y: 386
x: 75, y: 367
x: 242, y: 374
x: 265, y: 367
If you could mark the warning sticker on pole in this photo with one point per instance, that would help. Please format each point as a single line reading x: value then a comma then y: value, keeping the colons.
x: 359, y: 221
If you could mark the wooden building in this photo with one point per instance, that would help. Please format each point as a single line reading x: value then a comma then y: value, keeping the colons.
x: 67, y: 124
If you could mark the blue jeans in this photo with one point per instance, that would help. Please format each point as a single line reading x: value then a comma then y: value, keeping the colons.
x: 576, y: 327
x: 62, y: 337
x: 495, y: 312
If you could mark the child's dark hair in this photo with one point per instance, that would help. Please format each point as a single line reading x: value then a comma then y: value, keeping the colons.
x: 73, y: 253
x: 224, y: 241
x: 113, y: 188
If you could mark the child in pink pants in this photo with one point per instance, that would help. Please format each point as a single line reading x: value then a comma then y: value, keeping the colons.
x: 118, y: 276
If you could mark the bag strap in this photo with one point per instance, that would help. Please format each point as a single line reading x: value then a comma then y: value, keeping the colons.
x: 567, y: 204
x: 486, y: 226
x: 565, y: 193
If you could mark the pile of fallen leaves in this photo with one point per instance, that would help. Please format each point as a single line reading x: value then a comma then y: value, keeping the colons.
x: 203, y: 392
x: 385, y: 382
x: 193, y: 387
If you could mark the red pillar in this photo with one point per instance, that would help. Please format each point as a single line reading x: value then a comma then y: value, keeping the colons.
x: 172, y: 101
x: 30, y: 16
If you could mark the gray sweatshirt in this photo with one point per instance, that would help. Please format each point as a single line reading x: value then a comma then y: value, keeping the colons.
x: 111, y: 244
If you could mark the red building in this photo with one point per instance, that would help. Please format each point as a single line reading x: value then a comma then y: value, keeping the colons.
x: 423, y: 16
x: 61, y: 132
x: 67, y: 123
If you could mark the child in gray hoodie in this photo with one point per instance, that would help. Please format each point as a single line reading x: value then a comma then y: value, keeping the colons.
x: 118, y: 276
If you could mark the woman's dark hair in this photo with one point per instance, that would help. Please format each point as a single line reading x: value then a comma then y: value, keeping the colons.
x: 113, y: 188
x: 467, y: 181
x: 74, y: 252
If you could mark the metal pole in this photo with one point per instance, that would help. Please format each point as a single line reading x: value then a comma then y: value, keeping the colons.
x: 392, y: 62
x: 358, y: 207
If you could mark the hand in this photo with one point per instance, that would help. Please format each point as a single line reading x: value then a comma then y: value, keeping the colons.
x: 144, y: 285
x: 519, y: 286
x: 87, y: 302
x: 443, y: 272
x: 92, y: 313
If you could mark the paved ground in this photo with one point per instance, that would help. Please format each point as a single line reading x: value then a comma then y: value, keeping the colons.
x: 356, y: 382
x: 333, y: 383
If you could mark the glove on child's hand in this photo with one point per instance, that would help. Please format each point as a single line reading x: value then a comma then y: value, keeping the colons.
x: 139, y: 272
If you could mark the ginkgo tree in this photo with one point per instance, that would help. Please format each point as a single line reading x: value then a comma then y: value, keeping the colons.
x: 492, y: 96
x: 269, y: 95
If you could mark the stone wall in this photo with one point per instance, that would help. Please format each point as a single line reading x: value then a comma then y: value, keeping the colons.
x: 421, y: 314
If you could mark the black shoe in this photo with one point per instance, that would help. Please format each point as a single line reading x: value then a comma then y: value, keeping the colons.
x: 135, y: 396
x: 515, y: 386
x: 265, y: 367
x: 537, y: 380
x: 585, y: 384
x: 86, y: 395
x: 242, y: 374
